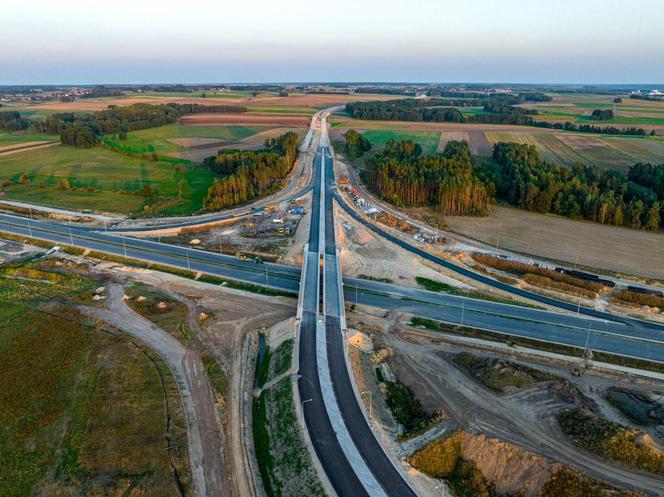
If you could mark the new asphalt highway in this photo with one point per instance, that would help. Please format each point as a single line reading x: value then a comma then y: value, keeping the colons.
x: 607, y: 333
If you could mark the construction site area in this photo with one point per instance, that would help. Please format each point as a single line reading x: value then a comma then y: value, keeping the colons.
x: 495, y: 419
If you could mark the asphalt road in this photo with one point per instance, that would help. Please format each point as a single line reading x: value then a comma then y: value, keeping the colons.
x: 321, y: 432
x: 375, y: 458
x: 480, y: 277
x: 516, y: 320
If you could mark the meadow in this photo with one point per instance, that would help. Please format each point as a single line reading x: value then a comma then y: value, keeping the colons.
x: 102, y: 180
x: 428, y: 140
x: 81, y: 408
x: 177, y: 137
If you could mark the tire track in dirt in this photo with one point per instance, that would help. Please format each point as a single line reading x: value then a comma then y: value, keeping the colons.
x: 203, y: 431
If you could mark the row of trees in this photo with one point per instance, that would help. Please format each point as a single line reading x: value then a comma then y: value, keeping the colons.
x: 590, y: 128
x: 11, y: 120
x: 498, y: 109
x: 83, y: 130
x: 250, y: 174
x: 355, y: 144
x: 402, y: 176
x: 583, y: 192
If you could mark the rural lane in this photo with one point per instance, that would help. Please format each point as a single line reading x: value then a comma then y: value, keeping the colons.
x: 203, y: 428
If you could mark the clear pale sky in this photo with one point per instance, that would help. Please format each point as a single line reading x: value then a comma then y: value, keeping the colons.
x: 138, y: 41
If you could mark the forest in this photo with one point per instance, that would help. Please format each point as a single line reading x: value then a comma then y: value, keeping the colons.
x: 447, y: 181
x: 11, y: 120
x: 250, y: 174
x: 601, y: 115
x: 456, y: 184
x: 522, y: 179
x: 83, y: 130
x: 355, y: 144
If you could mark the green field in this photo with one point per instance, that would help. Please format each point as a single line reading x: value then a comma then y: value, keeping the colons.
x: 7, y: 139
x: 102, y: 180
x: 428, y: 140
x: 81, y: 409
x: 147, y: 141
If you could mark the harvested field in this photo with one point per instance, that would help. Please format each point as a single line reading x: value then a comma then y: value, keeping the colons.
x: 448, y: 136
x: 479, y: 145
x: 25, y: 147
x: 246, y: 120
x: 197, y: 153
x: 611, y: 248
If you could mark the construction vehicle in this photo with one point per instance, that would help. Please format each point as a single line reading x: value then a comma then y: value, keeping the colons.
x: 270, y: 208
x: 343, y: 181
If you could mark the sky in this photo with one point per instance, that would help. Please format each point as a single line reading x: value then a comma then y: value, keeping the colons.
x: 220, y: 41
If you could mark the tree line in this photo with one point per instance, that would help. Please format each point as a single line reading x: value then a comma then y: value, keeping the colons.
x: 498, y: 109
x: 582, y: 192
x: 455, y: 185
x: 250, y: 174
x: 11, y: 120
x: 84, y: 129
x: 355, y: 144
x: 447, y: 181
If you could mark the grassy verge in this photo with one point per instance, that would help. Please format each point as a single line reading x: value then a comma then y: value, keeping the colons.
x: 82, y: 410
x: 101, y: 256
x: 165, y: 312
x: 530, y: 343
x: 373, y: 278
x: 283, y: 459
x: 437, y: 286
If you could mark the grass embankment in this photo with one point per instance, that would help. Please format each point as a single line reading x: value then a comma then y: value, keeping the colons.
x: 103, y: 180
x: 207, y: 278
x: 555, y: 348
x: 437, y: 286
x: 82, y: 411
x: 283, y: 458
x: 498, y: 374
x: 443, y: 459
x: 611, y: 440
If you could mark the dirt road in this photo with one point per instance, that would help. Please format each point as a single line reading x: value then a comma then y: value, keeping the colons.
x: 203, y: 428
x: 524, y: 418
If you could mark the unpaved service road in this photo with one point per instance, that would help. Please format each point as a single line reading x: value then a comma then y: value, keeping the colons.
x: 479, y: 410
x: 203, y: 430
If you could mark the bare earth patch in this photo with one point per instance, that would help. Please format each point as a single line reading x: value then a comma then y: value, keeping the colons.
x: 611, y: 248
